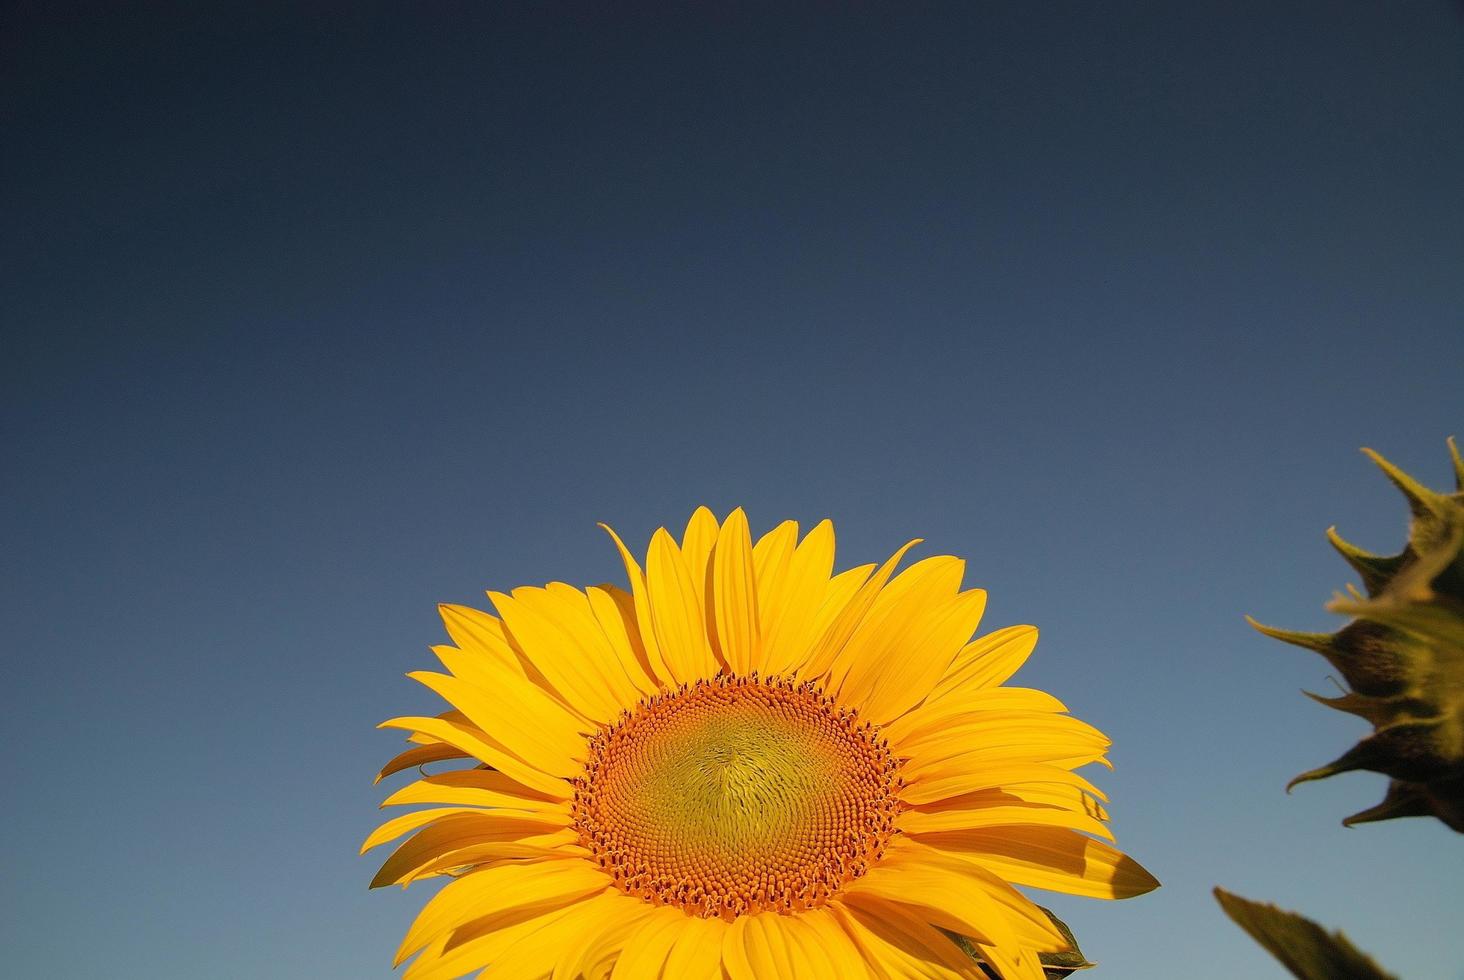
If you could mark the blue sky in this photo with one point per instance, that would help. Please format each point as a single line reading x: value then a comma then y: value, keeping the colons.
x: 314, y: 319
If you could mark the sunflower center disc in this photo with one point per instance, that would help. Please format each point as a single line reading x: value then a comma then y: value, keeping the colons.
x: 737, y: 795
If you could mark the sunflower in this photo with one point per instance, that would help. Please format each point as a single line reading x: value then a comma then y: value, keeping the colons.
x: 745, y: 767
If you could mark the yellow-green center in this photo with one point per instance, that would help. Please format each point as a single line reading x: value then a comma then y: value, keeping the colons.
x: 737, y: 795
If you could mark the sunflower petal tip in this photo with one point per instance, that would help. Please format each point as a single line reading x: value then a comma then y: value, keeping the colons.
x: 615, y: 537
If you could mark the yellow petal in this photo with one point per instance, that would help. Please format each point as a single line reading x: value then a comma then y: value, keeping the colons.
x: 995, y: 729
x: 474, y: 666
x: 1000, y: 738
x: 659, y: 667
x: 1013, y: 964
x: 956, y: 780
x: 485, y: 748
x: 902, y: 604
x: 988, y: 660
x: 420, y: 755
x: 452, y: 714
x: 646, y: 949
x: 563, y: 640
x: 997, y: 814
x: 960, y: 703
x: 1008, y: 723
x: 481, y: 635
x: 478, y: 787
x: 696, y: 550
x: 941, y: 778
x: 623, y: 667
x: 811, y: 947
x: 1044, y: 784
x: 908, y: 665
x: 520, y: 716
x: 789, y: 605
x: 1075, y: 796
x: 614, y: 610
x: 395, y: 827
x: 675, y: 612
x: 469, y: 854
x: 1033, y: 928
x: 754, y: 948
x: 734, y: 594
x: 1053, y: 858
x: 450, y: 956
x: 771, y: 950
x: 771, y: 556
x: 837, y: 944
x: 536, y: 954
x: 771, y: 553
x: 900, y: 946
x: 697, y: 954
x: 952, y: 902
x: 594, y: 954
x: 830, y: 643
x: 522, y: 888
x: 735, y: 960
x: 459, y: 840
x: 942, y: 889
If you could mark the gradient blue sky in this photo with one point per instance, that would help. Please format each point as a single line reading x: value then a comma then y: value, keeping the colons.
x: 314, y: 318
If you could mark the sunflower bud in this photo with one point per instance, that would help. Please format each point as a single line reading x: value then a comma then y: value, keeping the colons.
x: 1402, y: 656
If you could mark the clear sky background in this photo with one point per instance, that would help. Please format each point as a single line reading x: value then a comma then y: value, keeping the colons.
x: 316, y: 317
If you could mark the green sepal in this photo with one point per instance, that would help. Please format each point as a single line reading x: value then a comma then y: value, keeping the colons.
x: 1054, y: 965
x: 1302, y: 946
x: 1402, y: 800
x: 1402, y: 656
x: 1375, y: 570
x: 1062, y: 964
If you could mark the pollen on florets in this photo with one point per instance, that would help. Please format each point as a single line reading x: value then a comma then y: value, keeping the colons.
x: 737, y: 795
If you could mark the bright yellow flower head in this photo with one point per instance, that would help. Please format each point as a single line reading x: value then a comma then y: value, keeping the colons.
x: 746, y: 767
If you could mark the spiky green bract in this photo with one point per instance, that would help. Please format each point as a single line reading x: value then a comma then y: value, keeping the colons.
x: 1302, y: 946
x: 1403, y: 657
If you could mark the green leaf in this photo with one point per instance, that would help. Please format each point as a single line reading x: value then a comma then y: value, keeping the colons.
x: 1302, y: 946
